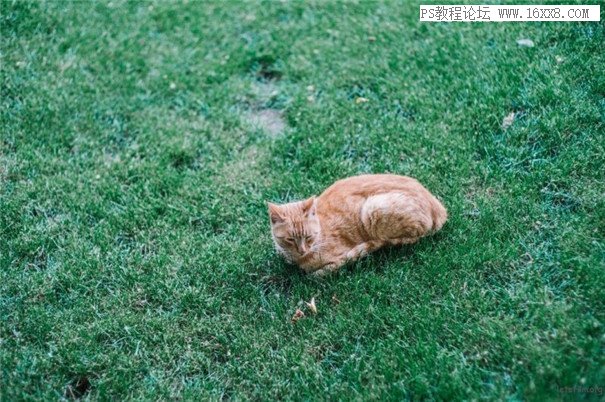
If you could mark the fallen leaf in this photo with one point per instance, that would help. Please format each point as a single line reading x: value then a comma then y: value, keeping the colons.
x: 508, y: 120
x: 372, y: 38
x: 525, y: 42
x: 297, y: 315
x: 361, y: 99
x: 312, y: 305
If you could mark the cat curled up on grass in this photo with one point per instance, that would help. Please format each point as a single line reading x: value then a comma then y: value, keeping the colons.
x: 352, y: 218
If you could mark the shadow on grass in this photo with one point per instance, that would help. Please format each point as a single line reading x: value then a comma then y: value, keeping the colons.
x: 282, y: 278
x: 376, y: 261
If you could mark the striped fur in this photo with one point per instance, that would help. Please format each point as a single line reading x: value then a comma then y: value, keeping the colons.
x: 352, y: 218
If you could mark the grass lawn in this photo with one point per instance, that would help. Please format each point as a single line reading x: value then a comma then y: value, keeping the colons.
x: 139, y: 143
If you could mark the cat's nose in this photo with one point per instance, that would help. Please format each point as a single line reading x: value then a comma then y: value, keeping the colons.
x: 303, y: 248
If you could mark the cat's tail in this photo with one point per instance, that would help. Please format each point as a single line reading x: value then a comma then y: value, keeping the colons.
x: 438, y: 213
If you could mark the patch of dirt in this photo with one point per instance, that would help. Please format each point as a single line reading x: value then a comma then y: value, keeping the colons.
x: 78, y: 388
x: 270, y: 121
x: 265, y: 91
x: 265, y: 68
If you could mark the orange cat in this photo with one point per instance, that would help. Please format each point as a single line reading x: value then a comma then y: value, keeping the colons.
x: 352, y: 218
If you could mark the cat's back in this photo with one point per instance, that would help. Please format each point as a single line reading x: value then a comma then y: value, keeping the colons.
x: 372, y: 184
x: 345, y: 198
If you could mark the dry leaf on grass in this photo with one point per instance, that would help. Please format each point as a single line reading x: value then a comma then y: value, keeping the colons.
x: 508, y: 120
x: 525, y: 42
x: 297, y: 315
x: 361, y: 99
x: 312, y: 305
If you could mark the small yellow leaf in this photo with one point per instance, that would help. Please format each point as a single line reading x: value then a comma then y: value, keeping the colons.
x: 312, y: 305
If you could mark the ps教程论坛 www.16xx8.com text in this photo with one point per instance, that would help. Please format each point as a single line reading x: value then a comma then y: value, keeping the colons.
x: 509, y: 13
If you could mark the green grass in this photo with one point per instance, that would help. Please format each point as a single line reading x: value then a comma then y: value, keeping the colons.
x: 135, y: 254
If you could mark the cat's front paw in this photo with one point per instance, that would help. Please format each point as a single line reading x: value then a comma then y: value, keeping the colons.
x: 356, y: 253
x: 320, y: 273
x: 326, y: 270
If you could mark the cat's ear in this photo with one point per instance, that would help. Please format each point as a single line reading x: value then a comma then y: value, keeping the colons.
x: 308, y: 206
x: 275, y: 213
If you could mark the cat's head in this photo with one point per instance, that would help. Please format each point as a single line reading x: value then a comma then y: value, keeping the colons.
x: 295, y: 227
